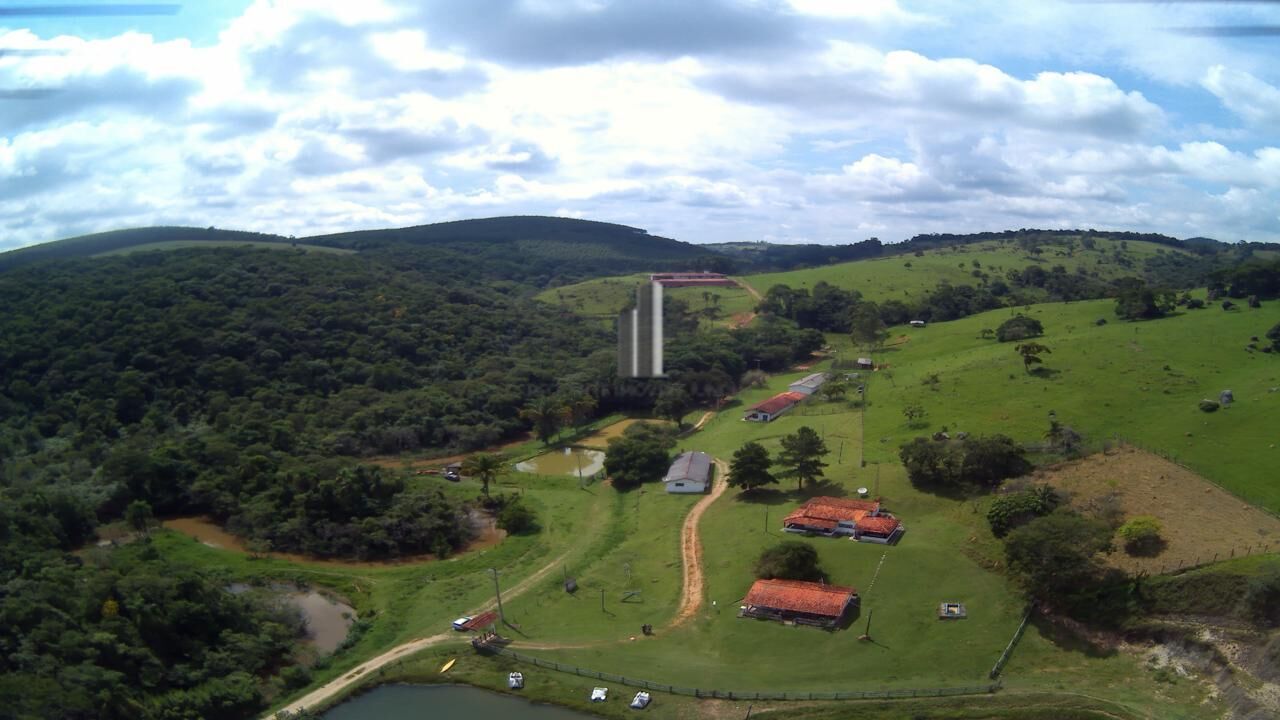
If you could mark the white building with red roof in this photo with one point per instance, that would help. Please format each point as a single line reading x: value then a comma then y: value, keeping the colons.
x: 770, y: 409
x: 863, y: 520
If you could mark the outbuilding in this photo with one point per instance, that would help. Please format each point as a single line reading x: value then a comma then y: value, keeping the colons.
x: 770, y: 409
x: 798, y: 601
x: 866, y: 364
x: 690, y: 473
x: 917, y: 323
x: 809, y: 384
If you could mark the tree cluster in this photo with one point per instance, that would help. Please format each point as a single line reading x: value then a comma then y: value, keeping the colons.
x: 961, y: 464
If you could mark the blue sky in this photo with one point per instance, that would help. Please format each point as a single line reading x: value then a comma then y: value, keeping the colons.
x: 720, y: 120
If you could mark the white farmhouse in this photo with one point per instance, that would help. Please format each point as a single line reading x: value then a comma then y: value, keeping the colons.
x: 690, y: 473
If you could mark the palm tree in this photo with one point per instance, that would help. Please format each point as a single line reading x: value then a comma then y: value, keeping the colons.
x: 484, y: 466
x: 546, y: 413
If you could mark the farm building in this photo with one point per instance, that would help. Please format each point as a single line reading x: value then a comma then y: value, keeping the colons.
x: 690, y: 473
x: 809, y: 384
x: 863, y: 520
x: 692, y: 279
x: 770, y: 409
x: 807, y: 603
x: 866, y: 364
x: 917, y: 323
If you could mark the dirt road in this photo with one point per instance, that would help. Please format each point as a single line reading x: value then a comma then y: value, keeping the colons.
x: 742, y: 320
x: 333, y: 687
x: 691, y: 550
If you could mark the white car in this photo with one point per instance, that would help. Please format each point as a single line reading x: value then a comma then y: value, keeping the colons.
x: 515, y: 680
x: 641, y: 701
x: 599, y: 694
x: 461, y: 622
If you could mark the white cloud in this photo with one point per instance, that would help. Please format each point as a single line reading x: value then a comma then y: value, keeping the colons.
x: 1246, y: 96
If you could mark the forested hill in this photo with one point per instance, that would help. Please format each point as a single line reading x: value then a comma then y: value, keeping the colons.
x: 542, y: 250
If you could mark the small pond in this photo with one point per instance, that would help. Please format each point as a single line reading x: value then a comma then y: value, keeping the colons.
x: 565, y: 461
x: 328, y: 620
x: 445, y: 702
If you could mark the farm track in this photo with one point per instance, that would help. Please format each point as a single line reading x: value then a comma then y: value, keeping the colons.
x: 691, y: 550
x: 742, y: 320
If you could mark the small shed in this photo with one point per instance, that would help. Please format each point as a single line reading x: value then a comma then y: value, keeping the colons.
x: 866, y: 364
x: 809, y: 384
x: 690, y: 473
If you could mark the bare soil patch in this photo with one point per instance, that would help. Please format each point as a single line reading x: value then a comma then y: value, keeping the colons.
x: 405, y: 462
x: 600, y: 438
x: 1200, y: 519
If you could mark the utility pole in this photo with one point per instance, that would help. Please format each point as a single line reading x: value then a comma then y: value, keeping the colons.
x: 498, y: 592
x: 602, y: 600
x: 766, y: 518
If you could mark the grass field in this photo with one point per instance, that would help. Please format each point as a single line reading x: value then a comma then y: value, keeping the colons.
x: 907, y: 277
x: 1139, y: 381
x: 187, y: 244
x: 604, y: 297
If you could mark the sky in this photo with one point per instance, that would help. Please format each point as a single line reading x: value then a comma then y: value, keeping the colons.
x: 827, y: 121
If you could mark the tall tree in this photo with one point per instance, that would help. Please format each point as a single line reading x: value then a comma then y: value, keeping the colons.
x: 673, y: 402
x: 139, y: 516
x: 1031, y: 352
x: 750, y: 467
x: 801, y: 456
x: 865, y: 326
x: 485, y: 467
x: 546, y: 413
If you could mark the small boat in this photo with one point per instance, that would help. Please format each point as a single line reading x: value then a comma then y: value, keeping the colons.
x: 515, y: 680
x: 448, y: 665
x: 641, y: 701
x: 599, y: 694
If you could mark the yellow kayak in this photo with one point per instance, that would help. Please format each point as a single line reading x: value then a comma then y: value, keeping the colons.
x: 448, y: 665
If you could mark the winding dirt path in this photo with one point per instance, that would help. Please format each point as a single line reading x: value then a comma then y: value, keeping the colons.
x: 691, y: 550
x: 337, y: 685
x: 742, y: 320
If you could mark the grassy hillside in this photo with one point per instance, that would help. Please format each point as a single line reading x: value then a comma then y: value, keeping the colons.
x: 1140, y: 381
x: 604, y: 297
x: 106, y: 242
x: 908, y: 277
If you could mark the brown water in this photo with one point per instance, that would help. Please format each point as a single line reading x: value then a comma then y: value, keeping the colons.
x: 328, y: 620
x: 565, y: 461
x: 209, y: 533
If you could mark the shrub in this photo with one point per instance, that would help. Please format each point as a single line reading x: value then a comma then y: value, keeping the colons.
x: 1019, y: 327
x: 1017, y: 509
x: 1195, y: 304
x: 982, y: 461
x: 1209, y: 406
x: 789, y: 560
x: 1141, y: 536
x: 1274, y: 336
x: 1262, y: 596
x: 516, y: 517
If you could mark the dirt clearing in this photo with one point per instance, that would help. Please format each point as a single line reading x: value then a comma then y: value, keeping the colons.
x: 1199, y: 518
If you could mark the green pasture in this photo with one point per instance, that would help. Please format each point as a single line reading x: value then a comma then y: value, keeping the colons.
x: 909, y: 278
x: 1139, y: 381
x: 604, y: 297
x: 187, y: 244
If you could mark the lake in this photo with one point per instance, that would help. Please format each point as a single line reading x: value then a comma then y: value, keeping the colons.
x: 566, y: 461
x: 445, y: 702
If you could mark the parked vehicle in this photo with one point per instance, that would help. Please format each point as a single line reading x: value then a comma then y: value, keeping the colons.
x: 515, y: 680
x: 460, y: 623
x: 599, y: 694
x: 641, y: 701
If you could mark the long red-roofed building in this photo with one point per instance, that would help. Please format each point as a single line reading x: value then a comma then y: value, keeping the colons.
x: 769, y: 409
x: 864, y: 520
x: 808, y: 603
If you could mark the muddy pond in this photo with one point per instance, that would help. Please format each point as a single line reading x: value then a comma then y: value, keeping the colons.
x: 565, y: 461
x: 328, y: 620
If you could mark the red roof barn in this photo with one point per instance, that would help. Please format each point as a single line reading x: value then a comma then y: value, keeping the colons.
x: 809, y: 603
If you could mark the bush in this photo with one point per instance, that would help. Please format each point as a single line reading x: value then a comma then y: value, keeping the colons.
x: 1019, y: 327
x: 1017, y: 509
x: 789, y: 560
x: 1195, y: 304
x: 516, y: 518
x: 1274, y: 336
x: 1262, y: 596
x: 981, y: 461
x: 1209, y: 406
x: 1141, y: 536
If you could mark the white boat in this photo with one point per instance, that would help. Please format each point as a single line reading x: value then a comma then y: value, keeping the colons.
x: 641, y: 700
x: 515, y: 680
x: 599, y: 694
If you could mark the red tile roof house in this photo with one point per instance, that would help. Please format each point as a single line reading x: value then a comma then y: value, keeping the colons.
x: 797, y: 601
x: 773, y: 407
x: 863, y: 520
